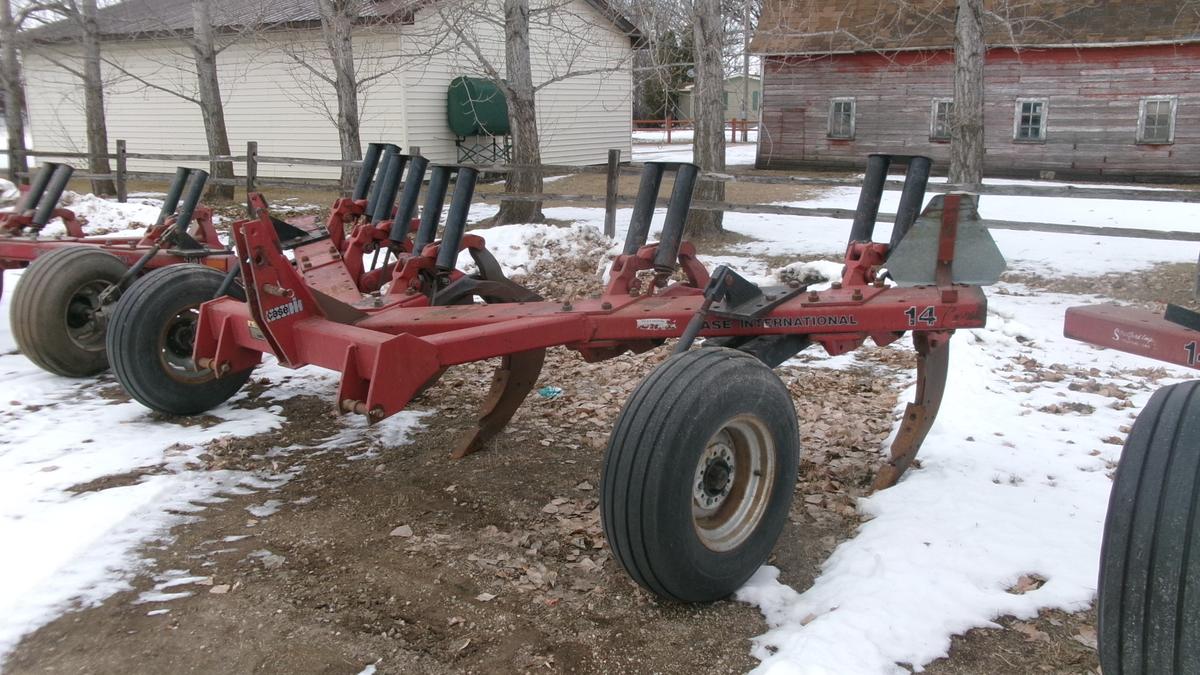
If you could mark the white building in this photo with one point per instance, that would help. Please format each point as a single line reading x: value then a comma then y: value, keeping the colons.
x: 273, y: 66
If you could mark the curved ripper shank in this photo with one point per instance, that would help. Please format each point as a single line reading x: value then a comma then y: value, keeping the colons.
x: 933, y: 359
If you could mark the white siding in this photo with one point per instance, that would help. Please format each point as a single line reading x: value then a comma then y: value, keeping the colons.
x: 289, y: 110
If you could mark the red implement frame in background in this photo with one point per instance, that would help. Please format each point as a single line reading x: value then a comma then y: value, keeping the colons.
x: 1136, y: 331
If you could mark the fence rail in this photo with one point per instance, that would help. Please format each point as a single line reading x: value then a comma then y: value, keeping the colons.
x: 614, y: 169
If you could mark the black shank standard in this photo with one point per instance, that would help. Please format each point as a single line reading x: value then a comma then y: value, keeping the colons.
x: 643, y: 207
x: 390, y: 151
x: 367, y: 171
x: 666, y: 259
x: 37, y: 186
x: 187, y: 207
x: 171, y: 202
x: 912, y: 197
x: 431, y: 214
x: 408, y: 199
x: 387, y: 190
x: 456, y: 219
x: 868, y: 200
x: 54, y: 189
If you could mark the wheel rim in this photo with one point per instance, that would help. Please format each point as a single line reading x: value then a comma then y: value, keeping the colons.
x: 732, y: 483
x: 175, y: 342
x: 85, y: 325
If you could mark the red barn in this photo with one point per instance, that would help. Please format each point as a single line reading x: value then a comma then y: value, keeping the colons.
x: 1086, y: 88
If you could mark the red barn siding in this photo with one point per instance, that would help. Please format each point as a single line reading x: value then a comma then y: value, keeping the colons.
x: 1091, y: 122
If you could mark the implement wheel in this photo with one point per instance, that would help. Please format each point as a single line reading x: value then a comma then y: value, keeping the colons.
x: 1150, y: 560
x: 56, y: 317
x: 151, y: 335
x: 699, y: 474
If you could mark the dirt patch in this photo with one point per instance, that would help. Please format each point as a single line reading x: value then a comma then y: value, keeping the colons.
x: 1153, y: 288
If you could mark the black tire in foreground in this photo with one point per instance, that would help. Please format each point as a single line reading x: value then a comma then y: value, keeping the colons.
x: 150, y: 340
x: 55, y: 310
x: 1150, y: 561
x: 699, y: 474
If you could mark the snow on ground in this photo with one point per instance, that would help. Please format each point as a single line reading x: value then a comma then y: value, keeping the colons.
x: 1006, y: 487
x: 659, y: 136
x: 73, y: 540
x: 736, y: 154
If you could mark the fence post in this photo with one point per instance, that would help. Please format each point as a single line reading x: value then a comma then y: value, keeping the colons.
x: 668, y: 129
x: 414, y: 150
x: 610, y: 193
x: 1197, y: 292
x: 251, y: 168
x: 122, y: 170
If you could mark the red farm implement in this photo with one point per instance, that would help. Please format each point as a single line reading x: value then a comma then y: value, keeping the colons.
x: 700, y: 468
x: 1149, y: 587
x: 61, y: 308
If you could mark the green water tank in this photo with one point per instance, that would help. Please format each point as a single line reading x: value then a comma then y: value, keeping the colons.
x: 476, y: 107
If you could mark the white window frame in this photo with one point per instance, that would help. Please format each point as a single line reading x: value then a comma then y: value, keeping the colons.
x: 1141, y: 129
x: 853, y: 117
x: 1041, y: 138
x: 933, y: 116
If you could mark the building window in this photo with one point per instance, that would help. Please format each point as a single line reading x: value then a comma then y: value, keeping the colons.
x: 941, y: 118
x: 841, y: 118
x: 754, y: 99
x: 1156, y: 120
x: 1029, y: 124
x: 725, y: 99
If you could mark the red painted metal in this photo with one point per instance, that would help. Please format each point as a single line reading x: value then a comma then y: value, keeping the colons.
x: 388, y: 353
x: 1133, y: 330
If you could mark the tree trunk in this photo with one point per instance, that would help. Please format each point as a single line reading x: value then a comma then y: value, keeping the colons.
x: 708, y: 141
x: 522, y: 118
x: 966, y: 134
x: 93, y: 87
x: 337, y: 25
x: 14, y: 94
x: 212, y: 108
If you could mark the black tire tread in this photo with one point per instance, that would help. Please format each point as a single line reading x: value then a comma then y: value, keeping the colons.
x: 34, y: 330
x: 625, y: 473
x: 1149, y: 614
x: 129, y: 363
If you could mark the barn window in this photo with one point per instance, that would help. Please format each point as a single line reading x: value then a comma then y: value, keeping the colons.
x: 1156, y: 120
x: 940, y: 119
x: 1030, y: 122
x: 754, y: 95
x: 841, y: 118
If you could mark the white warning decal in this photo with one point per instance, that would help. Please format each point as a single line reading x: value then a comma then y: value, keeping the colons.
x: 656, y: 324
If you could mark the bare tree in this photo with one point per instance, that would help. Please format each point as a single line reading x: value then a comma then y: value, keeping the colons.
x: 522, y: 113
x: 966, y: 132
x: 82, y: 14
x: 337, y: 28
x: 708, y: 140
x: 212, y: 109
x: 569, y: 51
x: 14, y: 91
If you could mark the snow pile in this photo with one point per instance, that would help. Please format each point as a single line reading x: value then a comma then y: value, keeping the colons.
x: 521, y: 248
x: 9, y: 194
x: 1012, y: 482
x: 106, y: 216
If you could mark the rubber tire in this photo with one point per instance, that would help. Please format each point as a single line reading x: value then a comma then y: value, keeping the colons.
x: 38, y: 313
x: 646, y: 482
x: 1149, y: 589
x: 134, y: 331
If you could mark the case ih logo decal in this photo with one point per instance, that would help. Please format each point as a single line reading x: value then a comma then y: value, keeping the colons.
x: 283, y: 311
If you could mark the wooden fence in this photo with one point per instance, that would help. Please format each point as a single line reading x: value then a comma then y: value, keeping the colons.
x: 614, y: 168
